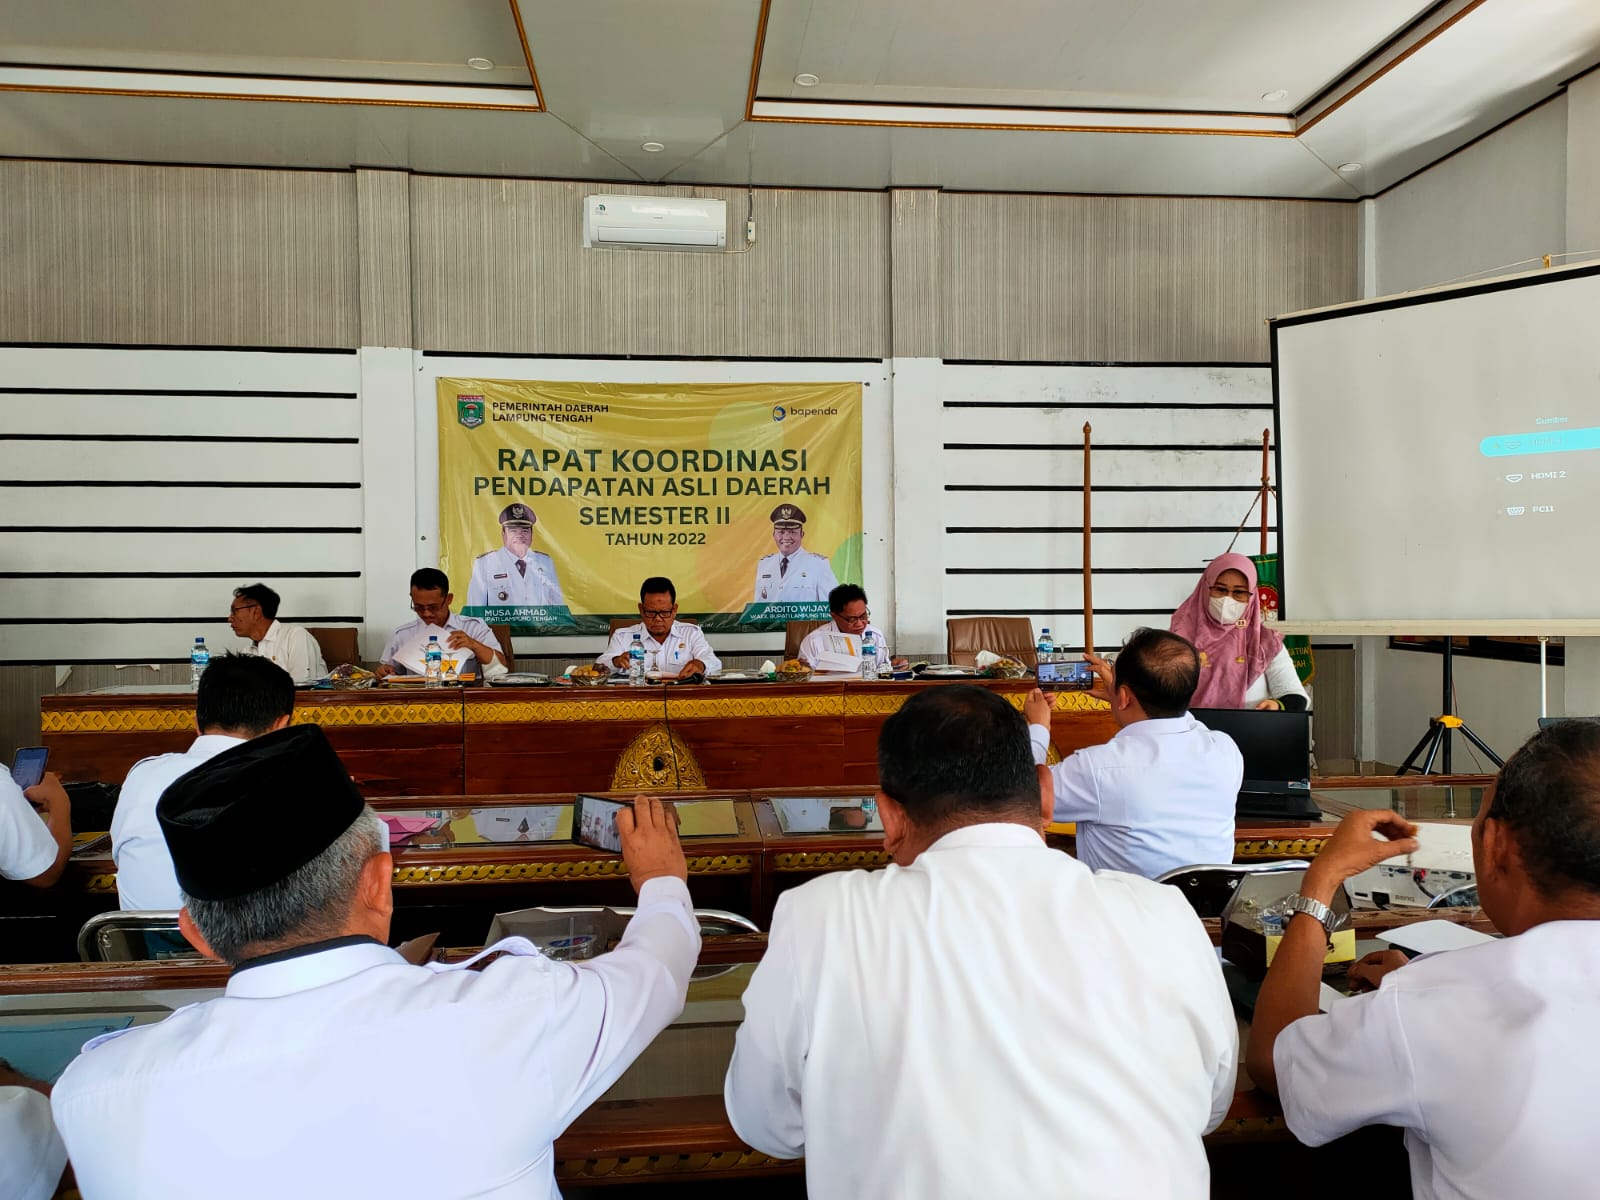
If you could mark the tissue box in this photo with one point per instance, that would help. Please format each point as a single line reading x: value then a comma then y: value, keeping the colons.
x: 565, y: 934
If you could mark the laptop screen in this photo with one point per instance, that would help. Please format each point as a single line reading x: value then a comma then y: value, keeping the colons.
x: 1276, y: 746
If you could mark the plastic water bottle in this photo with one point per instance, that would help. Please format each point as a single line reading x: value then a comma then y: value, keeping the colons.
x: 869, y: 656
x: 433, y: 662
x: 636, y: 661
x: 199, y: 660
x: 1045, y: 647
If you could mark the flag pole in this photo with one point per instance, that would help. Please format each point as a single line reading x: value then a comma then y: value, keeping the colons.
x: 1266, y: 483
x: 1088, y: 569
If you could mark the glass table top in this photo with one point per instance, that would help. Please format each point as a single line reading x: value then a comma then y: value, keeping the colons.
x: 535, y: 823
x: 1454, y: 802
x: 827, y: 814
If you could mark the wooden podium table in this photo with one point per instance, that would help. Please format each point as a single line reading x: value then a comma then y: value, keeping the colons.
x: 486, y: 741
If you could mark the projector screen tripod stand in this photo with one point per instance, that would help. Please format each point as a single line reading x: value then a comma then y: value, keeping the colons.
x: 1441, y: 727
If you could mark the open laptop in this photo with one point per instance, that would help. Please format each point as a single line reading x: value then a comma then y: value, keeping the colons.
x: 1277, y: 759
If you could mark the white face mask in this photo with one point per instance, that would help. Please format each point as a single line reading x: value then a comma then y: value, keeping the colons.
x: 1227, y: 610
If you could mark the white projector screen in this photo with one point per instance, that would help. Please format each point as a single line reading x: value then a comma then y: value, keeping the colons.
x: 1439, y: 458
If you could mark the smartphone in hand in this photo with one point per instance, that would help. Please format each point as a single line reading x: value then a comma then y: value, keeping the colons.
x: 27, y: 768
x: 594, y: 822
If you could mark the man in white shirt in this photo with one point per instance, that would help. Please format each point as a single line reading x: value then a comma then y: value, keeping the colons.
x: 468, y: 636
x: 1160, y: 794
x: 673, y: 649
x: 289, y: 1084
x: 34, y: 841
x: 32, y: 1157
x: 986, y: 1017
x: 253, y: 616
x: 792, y: 575
x: 847, y: 605
x: 240, y: 697
x: 1485, y: 1056
x: 515, y: 574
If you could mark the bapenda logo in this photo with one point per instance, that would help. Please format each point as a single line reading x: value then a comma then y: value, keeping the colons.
x: 469, y: 411
x: 778, y: 412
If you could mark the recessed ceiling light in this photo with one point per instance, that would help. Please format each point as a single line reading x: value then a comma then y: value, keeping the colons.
x: 1349, y: 168
x: 1277, y: 97
x: 806, y: 79
x: 480, y: 64
x: 652, y: 147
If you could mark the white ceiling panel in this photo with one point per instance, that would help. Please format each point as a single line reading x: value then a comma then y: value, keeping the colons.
x: 1221, y: 55
x: 1487, y: 67
x: 421, y: 40
x: 273, y: 134
x: 627, y: 72
x: 881, y: 156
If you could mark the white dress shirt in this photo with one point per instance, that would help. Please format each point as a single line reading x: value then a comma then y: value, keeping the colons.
x: 471, y: 626
x: 497, y: 580
x: 145, y: 878
x: 31, y: 1154
x: 294, y: 1081
x: 1160, y: 794
x: 293, y: 649
x: 27, y: 848
x: 1278, y: 680
x: 684, y: 642
x: 1485, y: 1056
x: 815, y: 642
x: 993, y: 1020
x: 808, y: 577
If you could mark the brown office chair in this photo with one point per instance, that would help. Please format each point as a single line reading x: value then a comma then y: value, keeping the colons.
x: 965, y: 636
x: 339, y: 645
x: 795, y: 633
x: 502, y: 634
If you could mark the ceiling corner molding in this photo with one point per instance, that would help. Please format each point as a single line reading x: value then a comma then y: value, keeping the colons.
x: 1044, y: 120
x: 184, y: 85
x: 527, y: 54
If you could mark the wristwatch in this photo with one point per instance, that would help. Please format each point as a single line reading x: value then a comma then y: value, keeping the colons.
x: 1325, y: 916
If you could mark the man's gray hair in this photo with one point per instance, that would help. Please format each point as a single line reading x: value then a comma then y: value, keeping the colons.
x: 307, y: 905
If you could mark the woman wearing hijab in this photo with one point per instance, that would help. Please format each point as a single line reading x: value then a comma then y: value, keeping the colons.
x: 1242, y: 664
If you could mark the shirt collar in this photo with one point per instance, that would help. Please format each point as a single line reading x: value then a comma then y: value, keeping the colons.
x: 272, y: 632
x: 989, y: 833
x: 302, y: 968
x: 1158, y: 726
x: 209, y: 744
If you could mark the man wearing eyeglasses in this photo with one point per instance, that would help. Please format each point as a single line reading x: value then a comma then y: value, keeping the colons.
x: 847, y: 604
x: 253, y: 615
x: 430, y: 600
x: 673, y: 649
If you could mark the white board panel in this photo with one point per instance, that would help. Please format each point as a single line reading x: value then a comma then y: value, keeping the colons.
x: 256, y: 555
x: 69, y: 506
x: 1109, y: 508
x: 1441, y: 455
x: 1109, y: 549
x: 1155, y: 593
x: 228, y: 462
x: 228, y: 370
x: 1129, y: 426
x: 110, y: 643
x: 1193, y: 467
x: 192, y: 416
x: 1046, y: 385
x: 50, y: 600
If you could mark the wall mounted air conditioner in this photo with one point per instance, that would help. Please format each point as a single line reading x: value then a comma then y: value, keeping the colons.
x: 655, y: 222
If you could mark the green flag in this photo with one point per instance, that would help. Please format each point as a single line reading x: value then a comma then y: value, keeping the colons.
x: 1298, y: 645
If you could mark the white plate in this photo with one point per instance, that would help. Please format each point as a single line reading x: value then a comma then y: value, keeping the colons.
x: 950, y: 672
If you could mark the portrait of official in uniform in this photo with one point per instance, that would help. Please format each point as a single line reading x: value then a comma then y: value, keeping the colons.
x: 515, y: 574
x: 792, y: 575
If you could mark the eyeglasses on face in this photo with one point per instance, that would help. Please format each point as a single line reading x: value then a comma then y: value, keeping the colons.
x: 859, y: 618
x: 1238, y: 593
x: 658, y: 613
x: 236, y: 609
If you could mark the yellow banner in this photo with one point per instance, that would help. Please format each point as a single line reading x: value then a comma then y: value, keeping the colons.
x: 556, y: 500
